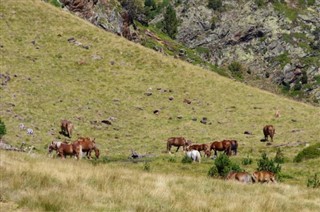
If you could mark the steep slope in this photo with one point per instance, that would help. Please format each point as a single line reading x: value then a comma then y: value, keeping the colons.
x: 55, y: 66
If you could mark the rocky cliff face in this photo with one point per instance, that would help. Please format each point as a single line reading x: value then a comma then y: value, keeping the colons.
x: 278, y: 43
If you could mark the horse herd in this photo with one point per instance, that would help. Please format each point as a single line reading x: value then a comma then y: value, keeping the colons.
x: 229, y: 147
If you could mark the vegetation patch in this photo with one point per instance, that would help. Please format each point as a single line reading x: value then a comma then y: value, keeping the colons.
x: 222, y: 166
x: 310, y: 152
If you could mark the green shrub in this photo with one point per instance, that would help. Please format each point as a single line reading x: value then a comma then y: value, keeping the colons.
x: 279, y: 158
x: 266, y: 164
x: 246, y: 161
x: 314, y: 181
x: 170, y: 22
x: 215, y: 4
x: 260, y: 3
x: 186, y: 159
x: 236, y: 69
x: 55, y: 3
x: 310, y: 152
x: 3, y: 130
x: 222, y: 166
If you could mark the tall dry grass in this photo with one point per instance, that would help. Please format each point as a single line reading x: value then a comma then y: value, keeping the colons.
x: 38, y: 183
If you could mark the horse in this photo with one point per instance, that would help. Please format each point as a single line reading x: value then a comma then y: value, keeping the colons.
x: 54, y: 146
x: 96, y: 152
x: 87, y: 146
x: 221, y: 146
x: 234, y: 146
x: 243, y: 177
x: 264, y: 176
x: 268, y: 130
x: 66, y: 128
x: 178, y: 142
x: 194, y: 155
x: 70, y: 149
x: 200, y: 147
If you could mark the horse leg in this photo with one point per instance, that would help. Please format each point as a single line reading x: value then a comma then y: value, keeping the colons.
x: 177, y: 148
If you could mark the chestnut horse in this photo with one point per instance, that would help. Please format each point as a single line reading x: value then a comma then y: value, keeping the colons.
x: 242, y: 177
x: 66, y: 128
x: 264, y: 176
x: 268, y: 130
x: 54, y: 146
x: 234, y: 145
x: 221, y: 146
x: 70, y: 149
x: 200, y: 147
x: 178, y: 142
x: 87, y: 146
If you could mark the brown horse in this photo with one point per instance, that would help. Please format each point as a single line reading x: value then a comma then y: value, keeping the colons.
x: 221, y: 146
x: 200, y: 147
x: 55, y: 145
x: 242, y: 177
x: 70, y: 149
x: 87, y: 145
x: 66, y: 128
x: 268, y: 130
x: 178, y: 142
x: 264, y: 176
x: 234, y: 145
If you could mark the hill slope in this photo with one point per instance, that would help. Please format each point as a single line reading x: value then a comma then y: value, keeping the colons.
x: 55, y: 66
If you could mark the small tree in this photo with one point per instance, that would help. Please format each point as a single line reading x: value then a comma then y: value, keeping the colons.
x: 170, y: 22
x: 215, y: 4
x: 222, y: 166
x: 3, y: 130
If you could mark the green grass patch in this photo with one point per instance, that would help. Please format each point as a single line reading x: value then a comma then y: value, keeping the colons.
x: 310, y: 152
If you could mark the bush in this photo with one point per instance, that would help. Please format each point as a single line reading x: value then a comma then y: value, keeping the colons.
x: 314, y: 181
x: 247, y: 160
x: 260, y: 3
x: 170, y: 22
x: 215, y: 4
x: 265, y: 164
x: 55, y: 3
x: 3, y: 130
x: 236, y: 69
x: 279, y: 158
x: 310, y: 152
x: 186, y: 159
x: 222, y: 166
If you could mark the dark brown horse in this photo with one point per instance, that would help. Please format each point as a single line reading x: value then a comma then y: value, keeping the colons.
x: 221, y: 146
x: 242, y: 177
x: 200, y: 147
x: 87, y: 146
x: 70, y: 149
x: 264, y: 176
x: 268, y: 130
x: 66, y: 128
x: 234, y: 145
x: 178, y: 142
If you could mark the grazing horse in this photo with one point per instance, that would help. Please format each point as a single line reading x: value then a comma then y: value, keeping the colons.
x: 194, y: 155
x: 234, y: 145
x: 70, y: 149
x: 200, y: 147
x: 178, y: 142
x: 221, y: 146
x: 87, y: 146
x: 55, y: 145
x: 268, y: 130
x: 264, y: 176
x: 242, y: 177
x: 66, y: 128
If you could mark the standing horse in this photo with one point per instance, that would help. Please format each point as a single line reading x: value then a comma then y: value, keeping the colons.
x: 87, y: 145
x: 221, y: 146
x: 54, y: 146
x: 66, y: 128
x: 200, y: 147
x: 234, y: 145
x: 194, y: 155
x: 70, y: 149
x: 268, y: 130
x: 178, y: 142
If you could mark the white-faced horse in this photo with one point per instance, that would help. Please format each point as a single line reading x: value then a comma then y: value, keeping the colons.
x: 194, y: 155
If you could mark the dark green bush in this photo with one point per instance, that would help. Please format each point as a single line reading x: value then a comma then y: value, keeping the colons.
x: 222, y: 166
x: 314, y: 181
x: 310, y: 152
x: 236, y: 69
x: 3, y: 130
x: 186, y: 159
x: 279, y: 158
x: 215, y: 4
x: 260, y: 3
x: 170, y: 22
x: 247, y: 160
x: 266, y: 164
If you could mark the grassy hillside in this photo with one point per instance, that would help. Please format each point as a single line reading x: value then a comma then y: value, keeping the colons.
x: 98, y: 75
